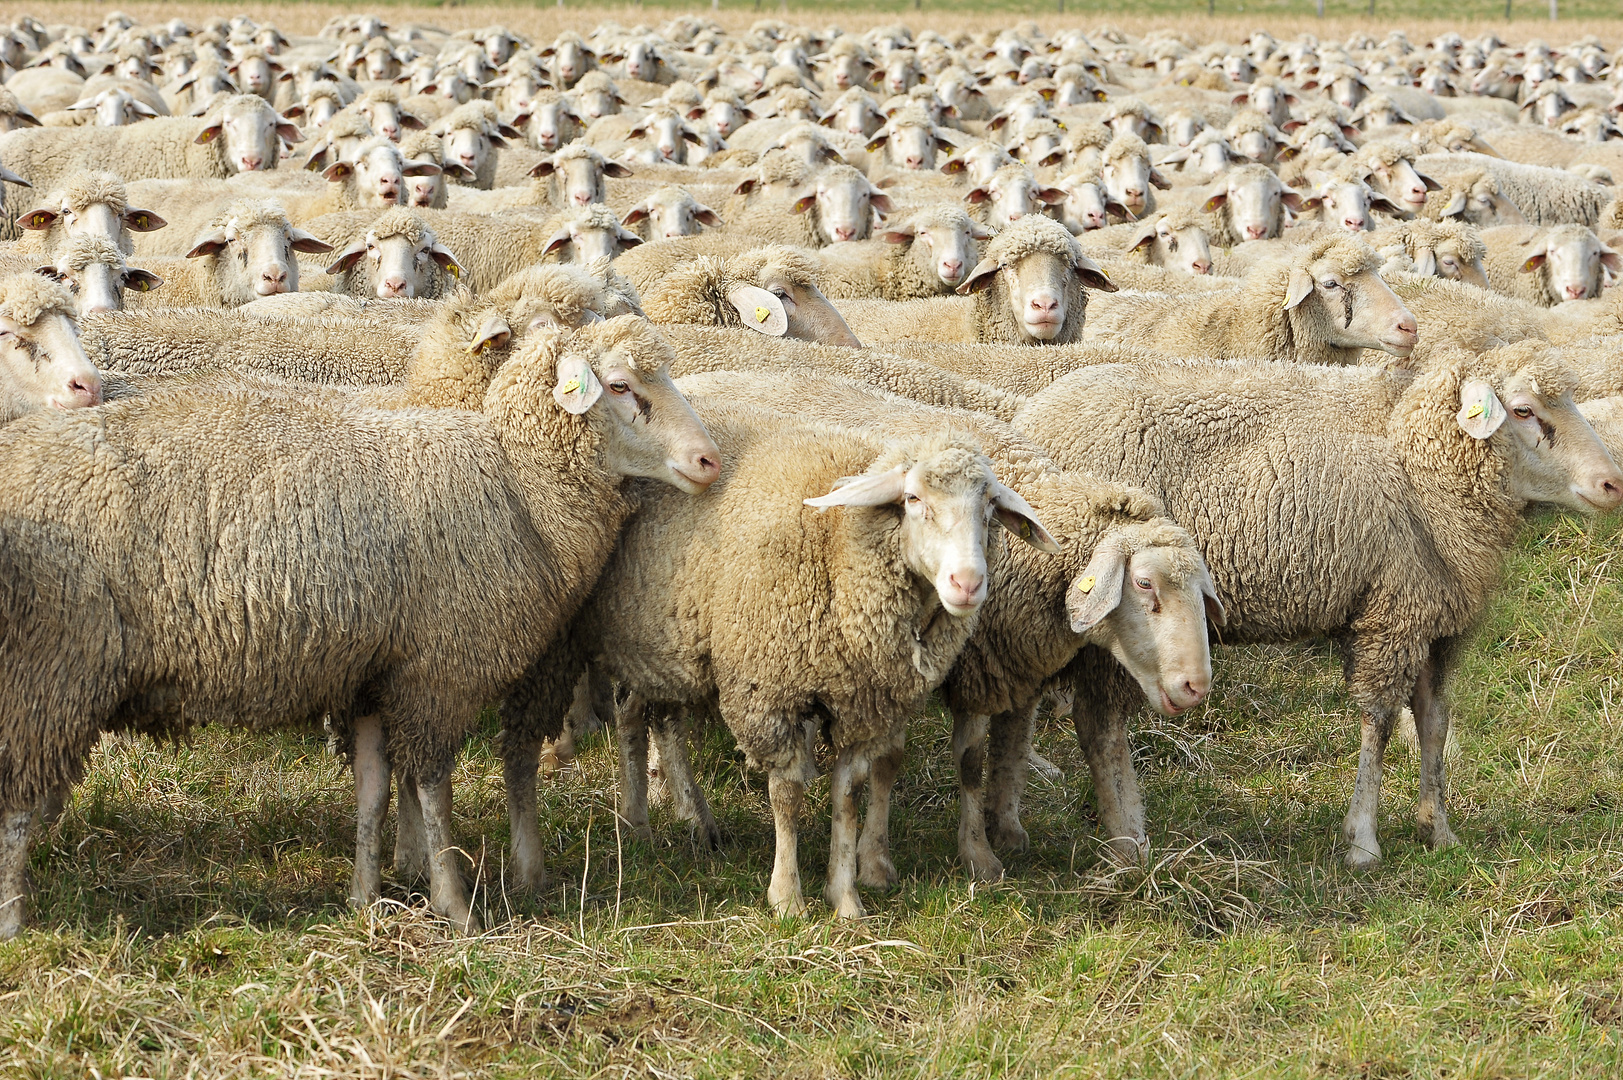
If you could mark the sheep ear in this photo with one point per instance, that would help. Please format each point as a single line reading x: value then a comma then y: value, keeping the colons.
x: 1296, y: 203
x: 976, y: 195
x: 143, y: 108
x: 1215, y: 203
x: 616, y: 170
x: 337, y: 171
x: 1096, y: 593
x: 953, y: 165
x: 1301, y: 285
x: 980, y: 277
x: 1384, y: 205
x: 208, y: 134
x: 1144, y: 238
x: 745, y: 186
x: 1456, y: 205
x: 1480, y: 412
x: 578, y: 388
x: 141, y: 280
x: 880, y: 201
x: 442, y: 255
x: 881, y: 490
x: 1158, y: 180
x: 421, y: 168
x: 288, y: 131
x: 759, y: 310
x: 880, y: 139
x: 543, y: 169
x: 1092, y: 274
x: 706, y: 216
x: 1017, y: 516
x: 635, y: 214
x: 804, y: 203
x: 1534, y: 260
x: 38, y: 219
x: 1426, y: 265
x: 897, y: 236
x: 559, y: 239
x: 1049, y: 196
x: 1119, y: 209
x: 308, y: 243
x: 977, y: 231
x: 1611, y: 259
x: 1215, y: 612
x: 348, y: 258
x: 493, y: 333
x: 208, y: 244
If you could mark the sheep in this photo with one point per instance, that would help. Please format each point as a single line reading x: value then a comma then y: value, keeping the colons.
x: 929, y: 254
x: 500, y: 519
x: 246, y: 252
x: 398, y: 258
x: 42, y: 365
x: 1342, y: 199
x: 93, y: 270
x: 381, y: 108
x: 1323, y: 303
x: 471, y: 135
x: 112, y: 107
x: 241, y: 134
x: 1043, y: 610
x: 427, y: 190
x: 878, y: 605
x: 1249, y: 204
x: 1389, y: 169
x: 1016, y: 370
x: 88, y: 202
x: 1254, y: 136
x: 1012, y: 192
x: 1544, y: 196
x: 340, y: 140
x: 1445, y: 249
x: 840, y: 207
x: 13, y: 114
x: 772, y: 290
x: 1474, y: 196
x: 575, y: 175
x: 978, y: 162
x: 1413, y: 477
x: 584, y: 236
x: 550, y: 122
x: 1031, y: 286
x: 1177, y: 239
x: 1548, y: 266
x: 669, y: 212
x: 1129, y: 176
x: 910, y: 140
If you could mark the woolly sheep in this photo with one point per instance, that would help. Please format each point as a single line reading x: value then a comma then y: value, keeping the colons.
x: 522, y: 505
x: 1177, y: 239
x: 1319, y: 304
x: 550, y: 122
x: 772, y: 290
x: 1445, y: 249
x: 1474, y: 196
x: 398, y: 258
x: 1249, y: 204
x: 928, y: 254
x: 90, y: 202
x: 1031, y: 286
x: 1013, y: 192
x: 1129, y: 176
x: 669, y: 212
x: 897, y: 574
x: 42, y: 365
x: 1544, y: 196
x: 1548, y: 266
x: 1422, y: 480
x: 93, y: 270
x: 241, y: 134
x: 248, y: 251
x: 839, y: 207
x: 471, y: 135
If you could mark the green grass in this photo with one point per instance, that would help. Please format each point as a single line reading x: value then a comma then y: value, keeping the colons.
x: 192, y: 914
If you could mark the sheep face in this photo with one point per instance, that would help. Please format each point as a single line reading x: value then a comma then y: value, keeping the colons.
x: 42, y: 366
x: 1187, y: 248
x: 1011, y: 195
x: 1182, y: 125
x: 256, y: 257
x: 1479, y: 203
x: 1349, y: 311
x: 552, y: 123
x: 319, y: 113
x: 671, y: 212
x: 1255, y: 201
x: 1256, y: 145
x: 643, y: 61
x: 901, y: 73
x: 1039, y: 289
x: 1271, y: 100
x: 978, y: 163
x: 93, y: 219
x: 1452, y: 259
x: 845, y: 203
x: 252, y: 131
x: 725, y: 117
x: 427, y: 191
x: 580, y: 178
x: 256, y: 75
x: 949, y: 249
x: 1087, y: 206
x: 470, y: 147
x: 1555, y: 456
x: 595, y: 104
x: 849, y: 69
x: 651, y: 430
x: 93, y: 269
x: 517, y: 92
x: 388, y: 119
x: 669, y: 134
x: 583, y: 242
x: 1350, y: 204
x: 1574, y: 262
x: 115, y: 108
x: 1401, y: 183
x: 1127, y: 179
x: 808, y: 315
x: 398, y: 266
x: 909, y: 146
x: 378, y: 176
x: 1147, y: 602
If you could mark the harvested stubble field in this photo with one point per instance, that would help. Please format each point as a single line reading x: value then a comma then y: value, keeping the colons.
x: 192, y: 922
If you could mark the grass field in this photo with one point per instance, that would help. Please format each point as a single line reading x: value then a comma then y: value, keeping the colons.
x: 193, y: 923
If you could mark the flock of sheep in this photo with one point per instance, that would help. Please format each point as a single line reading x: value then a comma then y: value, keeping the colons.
x: 782, y: 378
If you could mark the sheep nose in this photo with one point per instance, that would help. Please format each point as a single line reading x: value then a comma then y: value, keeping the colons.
x: 1354, y: 224
x: 1194, y: 690
x: 252, y: 164
x: 391, y: 133
x: 1201, y: 266
x: 1256, y: 232
x: 844, y: 232
x: 667, y: 150
x: 913, y: 161
x: 1577, y: 292
x: 969, y: 584
x: 951, y: 269
x: 1045, y: 306
x: 87, y: 388
x: 1094, y: 219
x: 582, y: 199
x: 394, y: 286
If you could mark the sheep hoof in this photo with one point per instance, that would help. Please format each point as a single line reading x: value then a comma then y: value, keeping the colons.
x: 12, y: 919
x: 643, y: 834
x: 1440, y: 837
x: 877, y: 871
x: 706, y: 836
x: 1129, y: 850
x: 788, y: 907
x: 847, y: 905
x: 1006, y: 836
x: 1361, y: 858
x: 1046, y: 769
x: 982, y: 865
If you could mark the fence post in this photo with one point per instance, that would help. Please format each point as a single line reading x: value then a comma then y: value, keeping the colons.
x: 1554, y: 13
x: 1319, y: 6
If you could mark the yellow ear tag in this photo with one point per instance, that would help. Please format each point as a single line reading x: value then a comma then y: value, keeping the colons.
x: 762, y: 314
x: 1475, y: 411
x: 1025, y: 529
x: 569, y: 387
x: 456, y: 271
x: 1086, y: 584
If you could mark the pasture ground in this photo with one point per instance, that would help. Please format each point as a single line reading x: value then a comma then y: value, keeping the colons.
x: 191, y: 901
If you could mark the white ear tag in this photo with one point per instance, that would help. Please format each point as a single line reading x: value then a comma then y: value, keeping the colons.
x: 578, y: 388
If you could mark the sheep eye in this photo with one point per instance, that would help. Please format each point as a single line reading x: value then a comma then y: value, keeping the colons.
x: 1331, y: 284
x: 1522, y: 411
x: 620, y: 387
x: 913, y: 500
x: 1143, y: 583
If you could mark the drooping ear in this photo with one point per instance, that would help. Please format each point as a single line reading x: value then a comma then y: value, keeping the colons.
x: 457, y: 171
x: 879, y: 200
x: 308, y: 243
x: 1214, y: 203
x: 442, y: 255
x: 1144, y: 238
x: 348, y: 257
x: 288, y: 130
x: 976, y: 195
x: 1301, y: 284
x: 493, y: 333
x: 1096, y: 593
x: 899, y: 235
x: 1158, y: 180
x: 412, y: 121
x: 977, y: 231
x: 210, y: 243
x: 980, y: 277
x: 804, y: 203
x: 578, y: 387
x: 635, y: 214
x: 1092, y: 274
x: 1049, y: 196
x: 420, y: 168
x: 1215, y: 612
x: 84, y: 103
x: 759, y: 309
x: 1480, y: 411
x: 141, y: 280
x: 1431, y: 185
x: 49, y: 271
x: 1384, y: 205
x: 745, y: 187
x: 1017, y: 516
x: 627, y: 240
x: 1456, y: 205
x: 337, y: 172
x: 37, y: 220
x: 144, y: 109
x: 1119, y: 209
x: 543, y: 169
x: 616, y: 170
x: 559, y: 239
x: 708, y: 217
x: 882, y: 489
x: 953, y: 165
x: 1426, y: 264
x: 1294, y: 201
x: 879, y: 139
x: 208, y: 134
x: 1534, y: 260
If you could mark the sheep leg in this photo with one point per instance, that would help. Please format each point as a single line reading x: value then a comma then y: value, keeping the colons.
x: 15, y: 826
x: 969, y: 755
x: 446, y: 891
x: 410, y: 843
x: 1008, y: 760
x: 1363, y: 849
x: 787, y: 792
x: 520, y: 763
x: 371, y: 768
x: 1101, y: 727
x: 51, y: 807
x: 671, y: 741
x: 874, y: 866
x: 841, y: 891
x: 631, y: 731
x: 1431, y: 725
